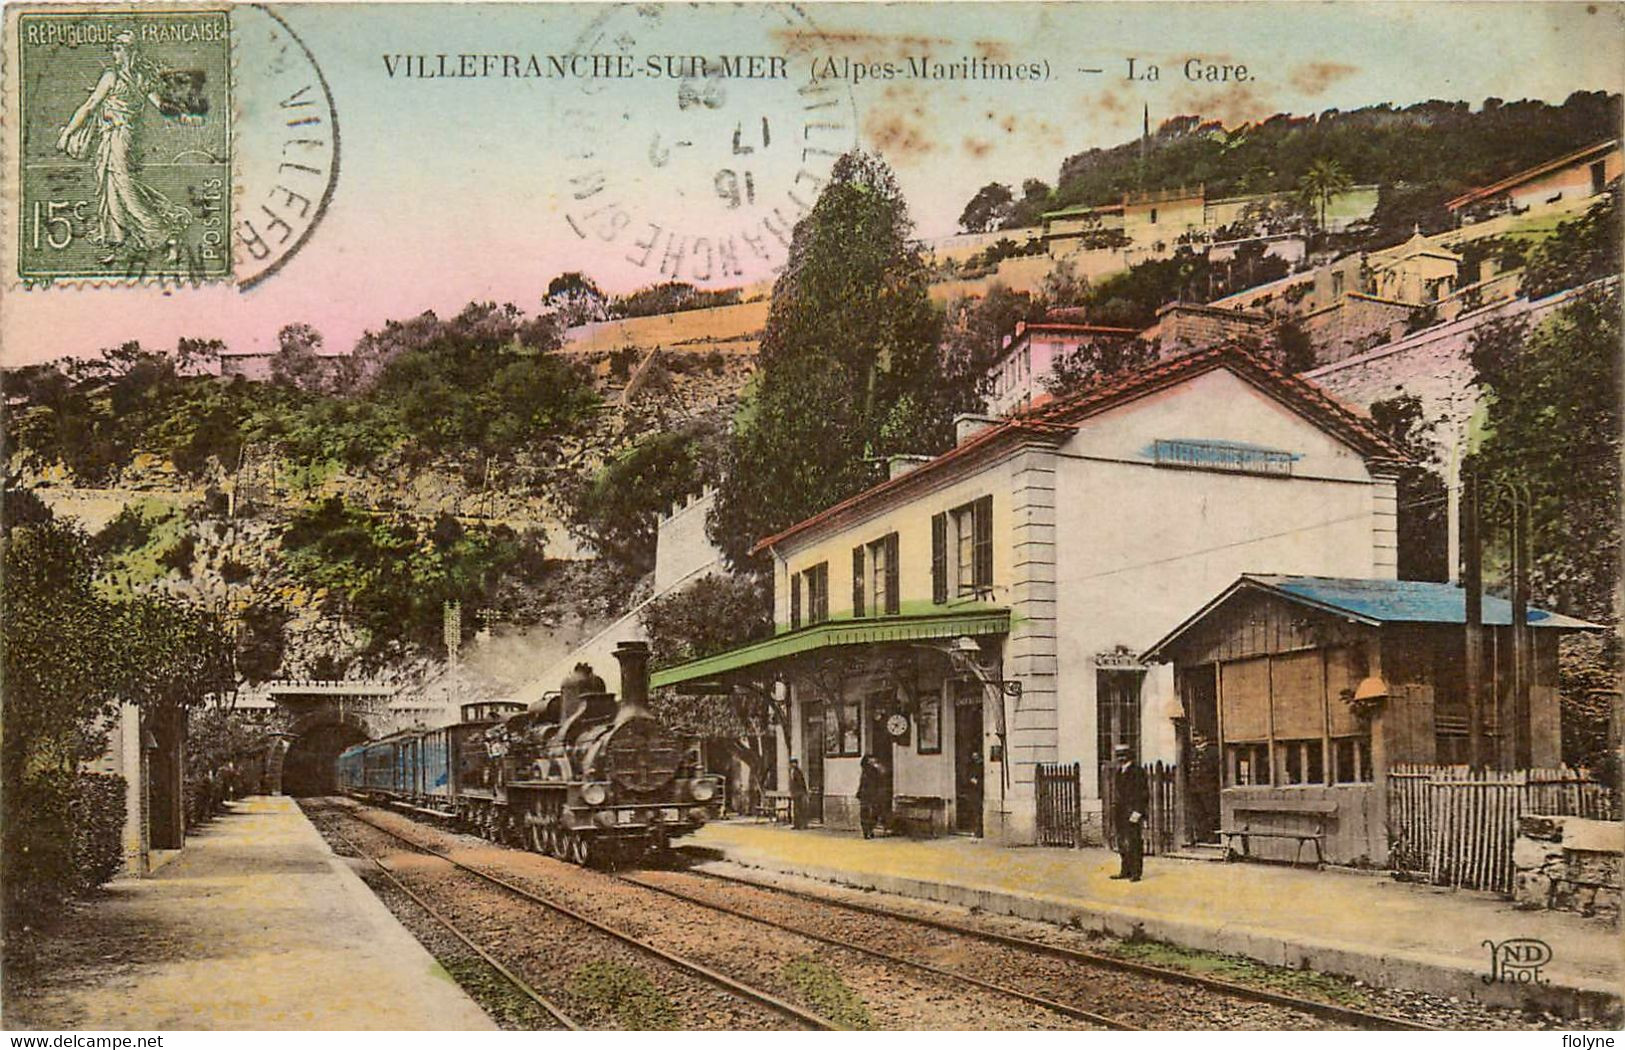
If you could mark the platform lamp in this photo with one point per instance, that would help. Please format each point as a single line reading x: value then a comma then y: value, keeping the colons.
x: 967, y: 653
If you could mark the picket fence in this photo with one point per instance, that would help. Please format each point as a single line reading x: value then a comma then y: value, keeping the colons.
x: 1455, y: 826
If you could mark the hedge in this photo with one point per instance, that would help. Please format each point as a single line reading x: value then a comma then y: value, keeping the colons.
x: 63, y: 835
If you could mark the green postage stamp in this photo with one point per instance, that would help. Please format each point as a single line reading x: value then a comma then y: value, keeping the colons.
x: 126, y: 168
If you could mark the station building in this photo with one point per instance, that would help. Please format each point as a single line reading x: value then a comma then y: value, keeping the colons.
x: 982, y: 612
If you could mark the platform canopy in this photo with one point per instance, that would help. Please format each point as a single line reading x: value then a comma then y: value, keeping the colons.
x: 694, y: 675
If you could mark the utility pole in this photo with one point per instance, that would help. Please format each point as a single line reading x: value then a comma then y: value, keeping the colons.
x: 1522, y: 650
x: 1472, y: 579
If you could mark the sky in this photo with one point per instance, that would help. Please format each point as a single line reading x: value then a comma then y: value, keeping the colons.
x: 452, y: 189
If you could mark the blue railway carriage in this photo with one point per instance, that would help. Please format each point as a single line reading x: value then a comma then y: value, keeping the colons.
x: 577, y: 775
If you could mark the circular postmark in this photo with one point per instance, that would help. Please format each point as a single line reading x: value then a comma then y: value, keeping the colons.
x: 286, y: 134
x: 696, y: 137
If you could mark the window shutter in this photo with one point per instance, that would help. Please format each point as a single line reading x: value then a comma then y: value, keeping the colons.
x: 857, y: 581
x: 892, y: 603
x: 939, y: 558
x: 820, y: 600
x: 982, y: 522
x: 795, y: 600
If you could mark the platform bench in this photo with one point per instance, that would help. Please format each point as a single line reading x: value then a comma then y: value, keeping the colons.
x: 778, y: 805
x: 917, y: 814
x: 1243, y: 813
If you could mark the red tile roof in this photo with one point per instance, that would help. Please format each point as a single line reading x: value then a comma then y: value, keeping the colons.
x: 1053, y: 419
x: 1494, y: 188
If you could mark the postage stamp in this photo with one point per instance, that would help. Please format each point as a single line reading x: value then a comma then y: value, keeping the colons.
x: 125, y: 161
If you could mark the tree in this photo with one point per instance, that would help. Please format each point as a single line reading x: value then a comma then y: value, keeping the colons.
x: 1583, y: 250
x: 1294, y: 350
x: 974, y: 338
x: 710, y: 615
x: 849, y: 363
x: 575, y: 299
x: 616, y: 509
x: 1324, y: 180
x: 1553, y: 424
x: 298, y: 362
x: 70, y: 658
x: 1095, y: 360
x: 987, y: 210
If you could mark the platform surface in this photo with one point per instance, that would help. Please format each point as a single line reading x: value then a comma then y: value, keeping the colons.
x: 1365, y: 926
x: 257, y: 925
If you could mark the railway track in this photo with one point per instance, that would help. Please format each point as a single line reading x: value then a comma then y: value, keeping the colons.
x: 1163, y: 997
x: 1341, y: 1015
x: 800, y: 1017
x: 513, y: 980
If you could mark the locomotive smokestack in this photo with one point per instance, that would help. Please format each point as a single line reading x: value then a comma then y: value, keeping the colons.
x: 634, y: 661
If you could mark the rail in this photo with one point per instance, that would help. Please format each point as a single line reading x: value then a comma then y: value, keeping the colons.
x: 744, y: 991
x: 1345, y: 1014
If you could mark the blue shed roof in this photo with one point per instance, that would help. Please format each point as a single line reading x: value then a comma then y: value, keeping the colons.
x: 1404, y: 601
x: 1375, y: 602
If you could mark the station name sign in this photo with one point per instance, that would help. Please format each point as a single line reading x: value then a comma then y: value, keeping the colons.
x: 1228, y: 456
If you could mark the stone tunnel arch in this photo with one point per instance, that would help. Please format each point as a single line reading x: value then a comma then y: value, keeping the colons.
x: 304, y: 759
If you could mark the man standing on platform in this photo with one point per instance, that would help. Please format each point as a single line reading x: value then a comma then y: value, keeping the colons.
x: 871, y: 795
x: 1131, y: 797
x: 798, y: 795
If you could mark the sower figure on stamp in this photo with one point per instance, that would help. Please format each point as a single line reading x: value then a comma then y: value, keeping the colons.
x: 871, y: 795
x: 798, y: 795
x: 1131, y: 798
x: 129, y: 212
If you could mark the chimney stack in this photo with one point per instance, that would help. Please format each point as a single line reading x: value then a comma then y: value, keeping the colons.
x: 634, y: 660
x: 968, y: 424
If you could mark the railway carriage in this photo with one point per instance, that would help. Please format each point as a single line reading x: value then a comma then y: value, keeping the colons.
x: 578, y: 775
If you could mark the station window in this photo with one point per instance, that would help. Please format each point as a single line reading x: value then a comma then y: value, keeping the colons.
x: 880, y: 595
x: 843, y: 729
x: 962, y: 551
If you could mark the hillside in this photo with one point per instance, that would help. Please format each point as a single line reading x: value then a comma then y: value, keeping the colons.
x: 1422, y: 155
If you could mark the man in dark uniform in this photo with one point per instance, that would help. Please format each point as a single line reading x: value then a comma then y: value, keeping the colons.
x: 1131, y: 799
x: 871, y: 795
x: 798, y: 795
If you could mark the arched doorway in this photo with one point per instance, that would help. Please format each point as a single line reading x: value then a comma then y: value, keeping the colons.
x: 310, y: 766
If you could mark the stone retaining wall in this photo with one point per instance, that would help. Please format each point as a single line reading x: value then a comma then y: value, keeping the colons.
x: 1569, y: 864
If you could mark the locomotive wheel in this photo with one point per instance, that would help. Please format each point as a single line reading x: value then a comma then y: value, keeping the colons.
x: 576, y: 848
x: 536, y: 838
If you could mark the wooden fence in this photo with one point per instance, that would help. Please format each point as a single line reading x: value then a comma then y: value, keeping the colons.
x: 1059, y: 789
x: 1060, y: 804
x: 1455, y: 826
x: 1164, y: 824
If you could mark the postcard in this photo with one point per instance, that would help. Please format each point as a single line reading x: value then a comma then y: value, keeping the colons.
x: 811, y: 516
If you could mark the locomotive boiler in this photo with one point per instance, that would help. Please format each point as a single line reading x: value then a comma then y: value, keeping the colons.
x: 581, y: 775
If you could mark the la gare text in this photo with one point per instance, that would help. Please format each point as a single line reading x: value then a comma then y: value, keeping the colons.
x: 583, y: 66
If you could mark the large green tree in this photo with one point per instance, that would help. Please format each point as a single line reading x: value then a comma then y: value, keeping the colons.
x: 1553, y: 425
x: 849, y: 363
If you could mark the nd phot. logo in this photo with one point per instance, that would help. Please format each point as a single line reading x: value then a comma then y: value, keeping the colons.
x: 1517, y: 961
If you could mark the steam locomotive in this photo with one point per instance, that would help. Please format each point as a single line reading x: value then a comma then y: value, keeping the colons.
x: 576, y: 775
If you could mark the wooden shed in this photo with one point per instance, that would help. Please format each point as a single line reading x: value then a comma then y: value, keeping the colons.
x: 1298, y: 693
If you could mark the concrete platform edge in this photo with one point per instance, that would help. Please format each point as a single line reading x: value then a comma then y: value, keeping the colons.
x: 383, y: 919
x: 1444, y: 976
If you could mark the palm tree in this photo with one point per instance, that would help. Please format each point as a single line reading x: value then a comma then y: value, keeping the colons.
x: 1324, y: 180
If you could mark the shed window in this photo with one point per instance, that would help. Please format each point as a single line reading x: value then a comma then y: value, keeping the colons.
x: 1300, y: 762
x: 1351, y: 760
x: 1248, y: 764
